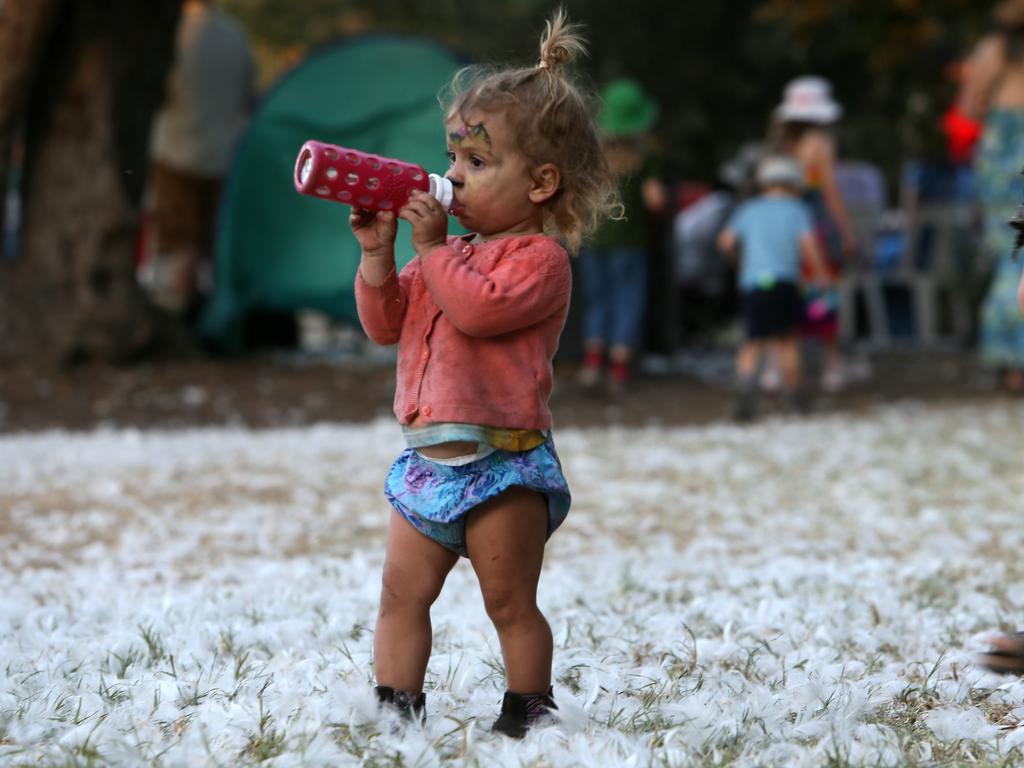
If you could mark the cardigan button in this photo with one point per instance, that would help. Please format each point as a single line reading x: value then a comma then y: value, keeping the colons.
x: 427, y: 410
x: 467, y: 249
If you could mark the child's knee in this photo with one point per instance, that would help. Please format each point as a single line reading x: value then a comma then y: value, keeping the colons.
x: 508, y: 605
x: 400, y: 590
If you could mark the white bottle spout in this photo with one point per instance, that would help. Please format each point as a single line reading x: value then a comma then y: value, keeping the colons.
x: 442, y: 190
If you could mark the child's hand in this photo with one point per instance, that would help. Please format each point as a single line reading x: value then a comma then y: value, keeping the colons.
x: 429, y: 221
x: 374, y: 231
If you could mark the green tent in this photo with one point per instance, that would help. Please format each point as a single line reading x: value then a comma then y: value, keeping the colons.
x: 278, y: 251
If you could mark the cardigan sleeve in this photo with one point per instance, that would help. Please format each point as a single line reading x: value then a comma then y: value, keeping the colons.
x: 382, y: 308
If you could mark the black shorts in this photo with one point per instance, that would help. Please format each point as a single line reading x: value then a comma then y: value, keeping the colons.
x: 772, y: 312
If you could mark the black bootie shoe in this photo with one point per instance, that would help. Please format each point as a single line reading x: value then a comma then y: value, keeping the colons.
x: 410, y: 706
x: 521, y: 711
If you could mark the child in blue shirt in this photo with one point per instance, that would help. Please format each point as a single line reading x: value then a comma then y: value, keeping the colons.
x: 772, y: 232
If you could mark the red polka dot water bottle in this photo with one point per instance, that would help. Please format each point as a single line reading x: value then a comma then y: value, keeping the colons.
x: 363, y: 180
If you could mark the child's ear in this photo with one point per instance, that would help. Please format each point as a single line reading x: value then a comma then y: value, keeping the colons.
x: 546, y: 180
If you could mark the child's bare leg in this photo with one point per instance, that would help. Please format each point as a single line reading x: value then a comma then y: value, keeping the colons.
x: 505, y: 537
x: 833, y: 377
x: 747, y: 359
x: 787, y: 351
x: 415, y: 568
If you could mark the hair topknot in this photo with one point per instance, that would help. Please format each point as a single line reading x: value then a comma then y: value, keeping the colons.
x: 553, y: 122
x: 561, y: 42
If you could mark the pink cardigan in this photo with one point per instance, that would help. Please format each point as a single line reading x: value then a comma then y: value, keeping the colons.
x: 477, y: 326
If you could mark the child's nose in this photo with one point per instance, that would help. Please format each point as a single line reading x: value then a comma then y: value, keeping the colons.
x: 454, y: 177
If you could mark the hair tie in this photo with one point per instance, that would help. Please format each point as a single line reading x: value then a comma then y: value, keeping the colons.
x: 542, y: 65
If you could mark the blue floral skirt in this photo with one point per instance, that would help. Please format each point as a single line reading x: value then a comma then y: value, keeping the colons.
x: 436, y: 499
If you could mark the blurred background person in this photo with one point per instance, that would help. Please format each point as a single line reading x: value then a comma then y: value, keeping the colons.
x: 209, y: 95
x: 802, y: 128
x: 993, y: 91
x: 773, y: 234
x: 707, y: 282
x: 614, y: 264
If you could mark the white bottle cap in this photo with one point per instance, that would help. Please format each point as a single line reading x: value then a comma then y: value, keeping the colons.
x: 442, y: 190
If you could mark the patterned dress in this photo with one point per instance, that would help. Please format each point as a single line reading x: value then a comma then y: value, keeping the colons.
x: 1000, y: 190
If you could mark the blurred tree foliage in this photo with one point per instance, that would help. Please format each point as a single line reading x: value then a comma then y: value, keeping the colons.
x: 717, y: 68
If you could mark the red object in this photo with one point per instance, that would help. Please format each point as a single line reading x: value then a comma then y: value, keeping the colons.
x: 593, y: 360
x: 962, y: 134
x: 689, y: 192
x: 619, y: 372
x: 143, y: 240
x: 357, y: 178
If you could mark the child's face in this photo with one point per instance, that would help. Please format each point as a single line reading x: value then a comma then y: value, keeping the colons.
x: 491, y: 177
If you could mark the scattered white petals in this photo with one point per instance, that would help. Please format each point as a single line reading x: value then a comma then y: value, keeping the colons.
x: 793, y: 593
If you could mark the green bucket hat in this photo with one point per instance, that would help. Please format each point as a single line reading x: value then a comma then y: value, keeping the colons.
x: 625, y: 109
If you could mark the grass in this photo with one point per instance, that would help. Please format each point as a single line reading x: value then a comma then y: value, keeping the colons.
x: 791, y: 592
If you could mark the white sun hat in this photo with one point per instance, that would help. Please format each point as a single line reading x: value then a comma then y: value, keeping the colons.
x: 780, y: 170
x: 808, y: 99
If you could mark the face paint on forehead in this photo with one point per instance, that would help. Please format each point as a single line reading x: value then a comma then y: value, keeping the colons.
x: 467, y: 132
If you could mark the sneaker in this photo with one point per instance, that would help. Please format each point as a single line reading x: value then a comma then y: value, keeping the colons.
x: 589, y: 375
x: 410, y: 706
x: 770, y: 379
x: 619, y: 375
x: 521, y: 711
x: 833, y: 379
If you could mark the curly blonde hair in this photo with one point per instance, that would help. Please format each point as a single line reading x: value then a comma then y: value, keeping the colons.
x: 551, y: 117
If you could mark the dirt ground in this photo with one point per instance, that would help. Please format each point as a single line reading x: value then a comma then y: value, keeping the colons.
x: 273, y: 390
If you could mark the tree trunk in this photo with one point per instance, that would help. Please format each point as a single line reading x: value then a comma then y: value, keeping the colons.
x: 71, y: 293
x: 23, y: 25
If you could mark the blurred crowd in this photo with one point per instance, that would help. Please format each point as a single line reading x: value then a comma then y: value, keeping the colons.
x: 800, y: 259
x: 796, y: 252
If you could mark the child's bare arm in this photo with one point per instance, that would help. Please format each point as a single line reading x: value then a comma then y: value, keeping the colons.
x: 1020, y: 293
x: 655, y: 195
x: 728, y: 243
x: 982, y: 70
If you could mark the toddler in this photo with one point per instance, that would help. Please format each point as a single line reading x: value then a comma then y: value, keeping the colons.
x: 773, y: 231
x: 477, y: 320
